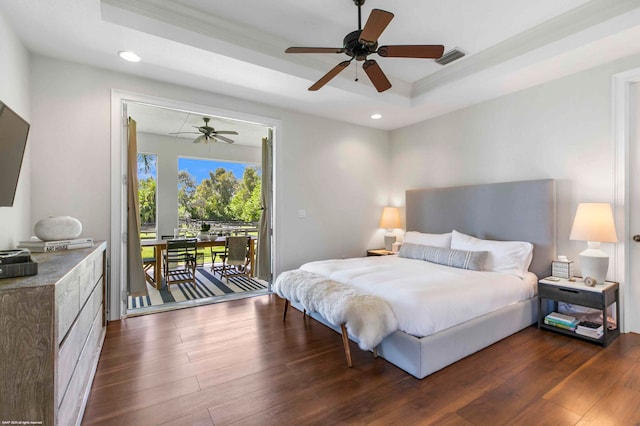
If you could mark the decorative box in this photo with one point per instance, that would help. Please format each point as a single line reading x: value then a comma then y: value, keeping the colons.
x: 562, y: 268
x: 16, y: 263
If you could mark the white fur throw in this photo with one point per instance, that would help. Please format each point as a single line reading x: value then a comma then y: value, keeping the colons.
x: 368, y: 318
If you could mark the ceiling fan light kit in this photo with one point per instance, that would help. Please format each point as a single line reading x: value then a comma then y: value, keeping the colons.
x: 209, y: 134
x: 363, y: 42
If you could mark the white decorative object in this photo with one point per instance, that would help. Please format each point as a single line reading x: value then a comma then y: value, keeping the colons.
x: 594, y: 223
x: 56, y: 228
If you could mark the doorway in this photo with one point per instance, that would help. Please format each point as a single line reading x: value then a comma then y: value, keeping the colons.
x: 166, y: 132
x: 633, y: 280
x: 625, y: 123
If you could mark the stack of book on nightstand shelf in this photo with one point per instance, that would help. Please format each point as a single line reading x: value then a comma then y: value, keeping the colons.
x: 563, y: 321
x: 590, y: 329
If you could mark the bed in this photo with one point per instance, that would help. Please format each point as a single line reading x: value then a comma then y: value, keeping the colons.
x: 478, y: 313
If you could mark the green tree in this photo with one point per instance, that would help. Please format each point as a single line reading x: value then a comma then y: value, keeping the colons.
x: 204, y: 202
x: 246, y: 202
x: 146, y: 163
x: 224, y: 185
x: 186, y: 196
x: 147, y: 199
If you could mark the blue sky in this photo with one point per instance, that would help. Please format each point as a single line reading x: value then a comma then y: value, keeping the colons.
x: 199, y: 169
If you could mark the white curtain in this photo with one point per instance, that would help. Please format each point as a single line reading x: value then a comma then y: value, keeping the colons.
x: 135, y: 272
x: 264, y: 233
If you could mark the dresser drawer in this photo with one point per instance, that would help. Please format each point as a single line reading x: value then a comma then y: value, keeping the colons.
x: 88, y: 279
x: 72, y: 400
x: 73, y: 292
x: 72, y: 346
x: 67, y: 302
x: 98, y: 266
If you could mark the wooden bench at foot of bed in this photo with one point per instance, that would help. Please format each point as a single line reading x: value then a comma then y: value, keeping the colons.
x: 343, y: 330
x: 364, y: 316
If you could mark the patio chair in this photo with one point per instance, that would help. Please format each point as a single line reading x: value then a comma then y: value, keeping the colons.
x: 235, y: 259
x: 180, y: 262
x: 147, y: 264
x: 199, y: 254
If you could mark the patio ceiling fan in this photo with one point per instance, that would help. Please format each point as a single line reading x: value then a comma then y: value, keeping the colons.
x: 209, y: 134
x: 363, y: 42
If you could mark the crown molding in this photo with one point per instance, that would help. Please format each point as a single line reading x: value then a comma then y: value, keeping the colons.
x: 576, y: 27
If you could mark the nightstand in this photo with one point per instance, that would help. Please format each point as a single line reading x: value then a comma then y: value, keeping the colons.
x: 380, y: 252
x: 601, y: 297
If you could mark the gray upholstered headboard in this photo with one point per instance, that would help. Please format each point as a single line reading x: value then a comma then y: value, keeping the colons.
x: 511, y: 211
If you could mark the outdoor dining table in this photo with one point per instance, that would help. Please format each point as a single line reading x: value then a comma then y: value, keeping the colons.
x: 161, y: 246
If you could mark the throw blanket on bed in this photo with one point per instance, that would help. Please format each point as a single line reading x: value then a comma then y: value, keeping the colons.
x: 367, y: 317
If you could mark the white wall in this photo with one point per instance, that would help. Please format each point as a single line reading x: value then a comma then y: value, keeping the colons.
x: 337, y: 172
x: 14, y: 92
x: 168, y: 152
x: 560, y: 130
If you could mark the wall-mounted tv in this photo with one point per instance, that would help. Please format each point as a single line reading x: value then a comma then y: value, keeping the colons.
x: 13, y: 141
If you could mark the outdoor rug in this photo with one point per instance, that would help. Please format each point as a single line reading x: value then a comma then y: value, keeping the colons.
x: 208, y: 285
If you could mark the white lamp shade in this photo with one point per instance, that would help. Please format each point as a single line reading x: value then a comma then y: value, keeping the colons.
x: 594, y: 222
x: 390, y: 218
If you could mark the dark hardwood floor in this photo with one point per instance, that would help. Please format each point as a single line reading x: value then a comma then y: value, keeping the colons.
x: 238, y: 363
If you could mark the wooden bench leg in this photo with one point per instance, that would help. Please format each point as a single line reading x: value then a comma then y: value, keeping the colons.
x: 345, y: 342
x: 286, y: 306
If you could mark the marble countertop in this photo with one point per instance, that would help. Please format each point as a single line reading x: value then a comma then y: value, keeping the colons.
x: 51, y: 267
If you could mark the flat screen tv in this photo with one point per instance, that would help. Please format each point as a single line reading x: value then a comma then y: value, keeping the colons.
x: 13, y: 141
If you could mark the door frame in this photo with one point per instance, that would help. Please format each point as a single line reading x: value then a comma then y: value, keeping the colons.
x: 117, y: 289
x: 621, y: 86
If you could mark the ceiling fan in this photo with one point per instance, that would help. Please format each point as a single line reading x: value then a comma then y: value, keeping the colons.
x: 363, y: 42
x: 209, y: 134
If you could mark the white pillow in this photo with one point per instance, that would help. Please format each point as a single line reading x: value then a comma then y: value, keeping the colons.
x: 435, y: 240
x: 509, y: 257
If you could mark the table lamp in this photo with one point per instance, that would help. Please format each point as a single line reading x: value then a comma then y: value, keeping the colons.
x: 594, y: 223
x: 390, y: 220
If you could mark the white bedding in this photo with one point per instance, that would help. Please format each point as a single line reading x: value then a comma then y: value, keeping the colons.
x: 425, y: 297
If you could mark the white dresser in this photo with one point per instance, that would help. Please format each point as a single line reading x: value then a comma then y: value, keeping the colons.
x: 52, y: 326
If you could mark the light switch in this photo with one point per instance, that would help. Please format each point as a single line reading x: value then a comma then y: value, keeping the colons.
x: 302, y: 213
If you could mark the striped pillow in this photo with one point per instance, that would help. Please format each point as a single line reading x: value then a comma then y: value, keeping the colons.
x: 472, y: 260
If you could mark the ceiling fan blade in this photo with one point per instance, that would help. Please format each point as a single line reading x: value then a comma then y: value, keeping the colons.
x: 225, y: 132
x: 377, y: 77
x: 314, y: 50
x: 377, y: 22
x: 222, y: 138
x: 200, y: 139
x: 430, y: 51
x: 181, y: 133
x: 328, y: 76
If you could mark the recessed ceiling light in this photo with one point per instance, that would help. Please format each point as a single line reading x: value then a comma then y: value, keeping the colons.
x: 129, y: 56
x: 376, y: 116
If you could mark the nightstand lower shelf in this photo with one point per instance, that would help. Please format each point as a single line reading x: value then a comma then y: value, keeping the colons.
x: 610, y: 336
